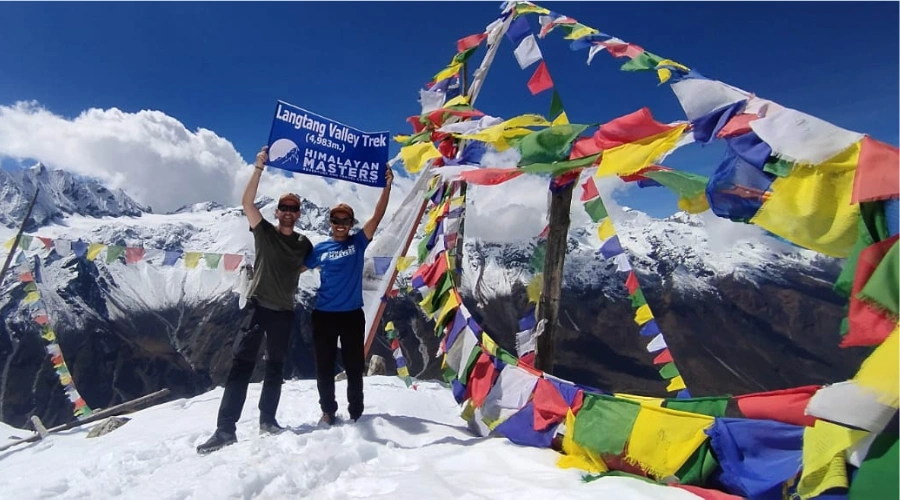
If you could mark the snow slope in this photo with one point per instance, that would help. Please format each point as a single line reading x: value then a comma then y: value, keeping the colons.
x: 410, y: 443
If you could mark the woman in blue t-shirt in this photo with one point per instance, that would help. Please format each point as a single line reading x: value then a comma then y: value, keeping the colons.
x: 338, y: 313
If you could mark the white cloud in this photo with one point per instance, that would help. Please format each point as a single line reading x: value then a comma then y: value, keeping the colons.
x: 157, y: 160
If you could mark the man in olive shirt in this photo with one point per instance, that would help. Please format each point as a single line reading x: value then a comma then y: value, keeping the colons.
x: 280, y: 253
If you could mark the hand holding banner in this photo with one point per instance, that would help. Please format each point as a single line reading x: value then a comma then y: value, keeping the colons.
x: 307, y: 143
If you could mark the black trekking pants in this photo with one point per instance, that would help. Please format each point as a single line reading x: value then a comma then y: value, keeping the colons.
x: 350, y: 327
x: 261, y: 322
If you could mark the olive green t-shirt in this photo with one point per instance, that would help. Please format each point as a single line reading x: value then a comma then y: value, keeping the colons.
x: 279, y: 258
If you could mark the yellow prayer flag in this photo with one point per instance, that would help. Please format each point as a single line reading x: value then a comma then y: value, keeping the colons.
x: 633, y: 156
x: 534, y: 288
x: 449, y: 306
x: 65, y: 379
x: 191, y: 259
x: 575, y: 456
x: 427, y: 304
x: 676, y: 384
x: 694, y: 205
x: 665, y: 73
x: 447, y: 72
x: 94, y: 250
x: 402, y: 371
x: 662, y: 440
x: 404, y: 262
x: 488, y: 344
x: 643, y: 314
x: 514, y: 127
x: 879, y: 373
x: 823, y: 457
x: 32, y: 297
x: 9, y: 243
x: 644, y: 400
x: 48, y: 335
x: 415, y: 156
x: 606, y: 230
x: 562, y: 119
x: 401, y: 138
x: 581, y: 32
x: 530, y: 8
x: 811, y: 206
x: 389, y: 325
x: 459, y: 100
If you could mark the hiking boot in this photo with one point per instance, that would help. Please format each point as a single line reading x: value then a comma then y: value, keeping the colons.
x: 270, y: 428
x: 218, y: 441
x: 328, y: 418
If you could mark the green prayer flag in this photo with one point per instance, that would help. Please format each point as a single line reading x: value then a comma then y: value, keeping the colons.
x: 212, y: 259
x: 877, y: 475
x: 470, y: 363
x: 25, y: 242
x: 668, y: 371
x: 711, y: 406
x: 556, y: 105
x: 538, y: 257
x: 417, y: 138
x: 685, y: 184
x: 871, y: 228
x: 549, y: 145
x: 604, y: 423
x: 507, y: 357
x: 423, y: 248
x: 441, y: 289
x: 698, y: 467
x: 596, y: 209
x: 560, y: 167
x: 644, y: 61
x: 884, y: 284
x: 464, y: 55
x: 113, y: 252
x: 448, y: 374
x: 587, y: 478
x: 638, y: 300
x: 778, y: 167
x: 31, y: 287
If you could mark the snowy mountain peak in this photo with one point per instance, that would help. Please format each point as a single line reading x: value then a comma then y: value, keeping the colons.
x: 61, y: 193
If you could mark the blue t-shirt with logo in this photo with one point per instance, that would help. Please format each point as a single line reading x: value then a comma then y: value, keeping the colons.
x: 340, y: 266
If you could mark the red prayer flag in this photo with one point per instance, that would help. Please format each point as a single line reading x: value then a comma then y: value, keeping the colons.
x: 545, y: 232
x: 737, y: 125
x: 867, y: 325
x: 42, y: 319
x: 629, y: 128
x: 26, y: 277
x: 663, y: 358
x: 629, y: 50
x: 133, y: 255
x: 540, y: 80
x: 589, y: 190
x: 232, y: 261
x: 464, y: 44
x: 583, y: 147
x: 395, y: 344
x: 877, y: 173
x: 787, y: 405
x: 46, y: 241
x: 632, y: 283
x: 577, y: 402
x: 549, y: 406
x: 481, y: 379
x: 638, y: 176
x: 416, y: 123
x: 490, y: 176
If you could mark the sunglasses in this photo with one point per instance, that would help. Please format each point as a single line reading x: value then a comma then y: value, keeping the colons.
x: 341, y: 221
x: 289, y: 208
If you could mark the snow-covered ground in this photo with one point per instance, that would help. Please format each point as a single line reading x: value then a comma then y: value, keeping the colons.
x: 409, y: 444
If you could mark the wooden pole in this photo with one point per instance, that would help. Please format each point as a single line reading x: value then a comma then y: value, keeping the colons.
x: 109, y: 412
x: 12, y: 251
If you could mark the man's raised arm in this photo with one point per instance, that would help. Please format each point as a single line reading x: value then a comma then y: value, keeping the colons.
x: 372, y: 224
x: 253, y: 215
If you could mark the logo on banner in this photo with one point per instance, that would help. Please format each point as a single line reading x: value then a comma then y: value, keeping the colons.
x: 307, y: 143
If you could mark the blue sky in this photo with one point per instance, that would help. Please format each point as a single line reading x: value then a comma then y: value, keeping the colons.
x: 222, y: 66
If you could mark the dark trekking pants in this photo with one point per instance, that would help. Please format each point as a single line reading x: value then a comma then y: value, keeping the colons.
x: 261, y: 322
x: 350, y: 327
